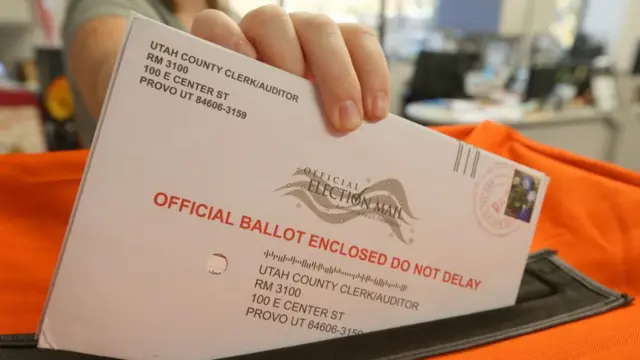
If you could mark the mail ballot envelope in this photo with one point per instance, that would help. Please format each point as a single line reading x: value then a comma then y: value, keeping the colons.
x: 219, y: 215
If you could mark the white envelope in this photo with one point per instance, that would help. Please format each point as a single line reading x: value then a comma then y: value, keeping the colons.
x: 219, y: 216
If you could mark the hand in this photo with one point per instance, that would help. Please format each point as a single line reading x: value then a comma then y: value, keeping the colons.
x: 345, y: 61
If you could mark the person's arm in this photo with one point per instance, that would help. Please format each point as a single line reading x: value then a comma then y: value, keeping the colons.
x: 93, y: 31
x: 92, y: 54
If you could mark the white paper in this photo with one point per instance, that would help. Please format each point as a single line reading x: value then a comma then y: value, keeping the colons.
x: 176, y: 247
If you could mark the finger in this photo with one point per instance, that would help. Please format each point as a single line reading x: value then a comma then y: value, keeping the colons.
x: 370, y: 64
x: 271, y: 32
x: 328, y: 59
x: 216, y: 27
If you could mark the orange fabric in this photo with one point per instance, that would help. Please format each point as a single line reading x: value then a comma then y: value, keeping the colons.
x: 589, y: 215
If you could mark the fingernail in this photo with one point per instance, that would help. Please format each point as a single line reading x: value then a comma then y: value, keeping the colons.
x: 244, y: 47
x: 379, y: 106
x: 350, y: 118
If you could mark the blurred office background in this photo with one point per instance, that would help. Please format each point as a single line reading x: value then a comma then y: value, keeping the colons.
x: 562, y: 72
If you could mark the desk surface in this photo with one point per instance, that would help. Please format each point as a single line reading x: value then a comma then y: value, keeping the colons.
x: 437, y: 113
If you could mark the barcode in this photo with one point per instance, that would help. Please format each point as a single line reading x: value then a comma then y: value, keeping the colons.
x: 334, y: 270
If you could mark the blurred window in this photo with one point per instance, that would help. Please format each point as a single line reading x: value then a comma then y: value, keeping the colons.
x: 568, y: 17
x: 244, y: 6
x: 366, y: 12
x: 408, y: 24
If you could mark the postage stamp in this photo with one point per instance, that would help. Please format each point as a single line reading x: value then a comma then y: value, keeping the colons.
x: 522, y: 196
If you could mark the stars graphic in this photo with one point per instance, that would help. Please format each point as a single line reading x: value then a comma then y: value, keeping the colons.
x: 298, y: 205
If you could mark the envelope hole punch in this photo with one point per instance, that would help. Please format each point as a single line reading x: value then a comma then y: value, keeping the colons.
x: 217, y: 264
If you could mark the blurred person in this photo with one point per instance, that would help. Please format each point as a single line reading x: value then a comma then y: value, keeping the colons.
x: 344, y: 61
